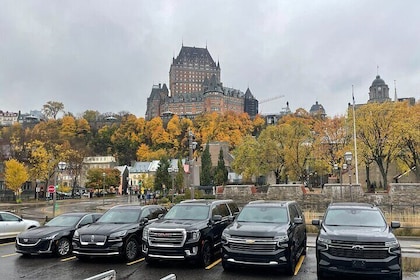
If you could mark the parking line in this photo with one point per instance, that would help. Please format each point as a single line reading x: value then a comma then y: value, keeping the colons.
x: 68, y: 259
x: 214, y: 264
x: 299, y: 264
x: 5, y: 244
x: 9, y: 255
x: 136, y: 261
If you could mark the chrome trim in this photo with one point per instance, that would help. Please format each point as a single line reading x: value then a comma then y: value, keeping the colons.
x: 166, y: 257
x: 271, y: 263
x: 95, y: 254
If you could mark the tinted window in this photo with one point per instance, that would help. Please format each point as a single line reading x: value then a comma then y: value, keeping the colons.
x: 233, y: 208
x: 293, y: 212
x: 354, y: 217
x: 120, y: 216
x: 9, y: 217
x: 263, y: 214
x: 64, y: 221
x: 222, y: 210
x: 86, y: 220
x: 188, y: 212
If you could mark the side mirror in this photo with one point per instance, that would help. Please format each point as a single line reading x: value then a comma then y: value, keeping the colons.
x: 217, y: 218
x: 316, y: 222
x: 160, y: 216
x: 298, y: 220
x: 144, y: 221
x: 395, y: 224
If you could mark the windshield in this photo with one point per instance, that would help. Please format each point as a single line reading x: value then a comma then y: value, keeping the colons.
x: 354, y: 217
x: 63, y: 221
x: 120, y: 216
x: 188, y: 212
x: 263, y: 214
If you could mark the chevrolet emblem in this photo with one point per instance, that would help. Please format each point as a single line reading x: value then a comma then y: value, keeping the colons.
x: 250, y: 241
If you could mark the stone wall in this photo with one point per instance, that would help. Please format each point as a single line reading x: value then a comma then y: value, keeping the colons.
x: 399, y: 198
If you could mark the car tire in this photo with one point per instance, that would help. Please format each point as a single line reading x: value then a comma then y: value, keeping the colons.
x: 151, y: 261
x: 319, y: 274
x: 131, y: 249
x: 400, y: 276
x: 291, y: 262
x: 226, y: 266
x: 83, y: 258
x: 63, y: 247
x: 206, y: 254
x: 304, y: 247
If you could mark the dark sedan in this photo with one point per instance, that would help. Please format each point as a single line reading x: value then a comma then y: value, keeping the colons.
x: 55, y: 236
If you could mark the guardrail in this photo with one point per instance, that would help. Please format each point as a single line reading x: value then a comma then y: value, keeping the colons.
x: 107, y: 275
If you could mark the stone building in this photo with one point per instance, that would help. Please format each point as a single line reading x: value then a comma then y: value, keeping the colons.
x: 195, y: 88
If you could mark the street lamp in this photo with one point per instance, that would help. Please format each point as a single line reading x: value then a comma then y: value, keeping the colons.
x: 61, y: 167
x: 348, y: 157
x: 103, y: 188
x: 338, y: 168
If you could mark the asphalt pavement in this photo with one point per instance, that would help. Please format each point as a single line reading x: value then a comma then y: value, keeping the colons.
x: 41, y: 209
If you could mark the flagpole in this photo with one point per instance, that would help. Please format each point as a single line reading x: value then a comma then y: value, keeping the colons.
x: 354, y: 139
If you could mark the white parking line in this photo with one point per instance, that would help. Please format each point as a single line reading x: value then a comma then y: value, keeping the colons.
x: 9, y: 255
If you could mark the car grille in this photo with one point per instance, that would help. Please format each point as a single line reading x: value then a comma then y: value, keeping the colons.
x: 28, y: 241
x: 359, y: 250
x: 90, y: 238
x: 167, y: 238
x: 252, y: 244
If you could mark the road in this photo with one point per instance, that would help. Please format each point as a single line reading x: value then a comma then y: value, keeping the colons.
x: 14, y: 266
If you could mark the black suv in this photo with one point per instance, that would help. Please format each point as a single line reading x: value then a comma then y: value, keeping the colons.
x: 266, y: 234
x: 191, y: 230
x: 354, y: 238
x: 117, y: 233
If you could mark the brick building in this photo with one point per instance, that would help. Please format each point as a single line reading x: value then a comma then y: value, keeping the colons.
x: 195, y: 88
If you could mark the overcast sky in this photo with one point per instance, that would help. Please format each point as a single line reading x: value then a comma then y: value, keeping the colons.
x: 106, y: 55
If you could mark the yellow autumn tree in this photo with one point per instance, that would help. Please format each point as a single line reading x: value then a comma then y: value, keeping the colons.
x: 379, y: 134
x: 15, y: 176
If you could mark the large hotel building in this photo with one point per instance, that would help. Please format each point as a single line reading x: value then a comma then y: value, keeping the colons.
x: 195, y: 88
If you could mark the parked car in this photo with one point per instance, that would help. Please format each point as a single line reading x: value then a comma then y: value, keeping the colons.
x: 265, y: 234
x: 355, y: 239
x: 191, y: 230
x: 117, y: 233
x: 11, y: 225
x: 55, y: 236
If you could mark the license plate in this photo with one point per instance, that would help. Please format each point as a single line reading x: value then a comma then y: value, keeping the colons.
x: 359, y: 264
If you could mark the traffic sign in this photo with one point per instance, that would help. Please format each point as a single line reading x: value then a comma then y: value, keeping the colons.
x: 51, y: 189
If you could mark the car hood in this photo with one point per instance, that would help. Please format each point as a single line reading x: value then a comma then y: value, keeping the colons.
x: 184, y: 224
x: 105, y: 229
x: 43, y: 231
x: 361, y: 234
x: 256, y: 229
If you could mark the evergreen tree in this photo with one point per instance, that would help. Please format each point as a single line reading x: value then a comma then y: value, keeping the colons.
x: 162, y: 175
x: 206, y: 167
x: 221, y: 172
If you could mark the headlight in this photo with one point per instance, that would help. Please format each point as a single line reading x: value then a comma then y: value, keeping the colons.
x: 282, y: 240
x: 76, y: 234
x: 50, y: 237
x: 118, y: 234
x: 145, y: 233
x: 194, y: 235
x: 225, y: 235
x: 323, y: 243
x: 392, y: 244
